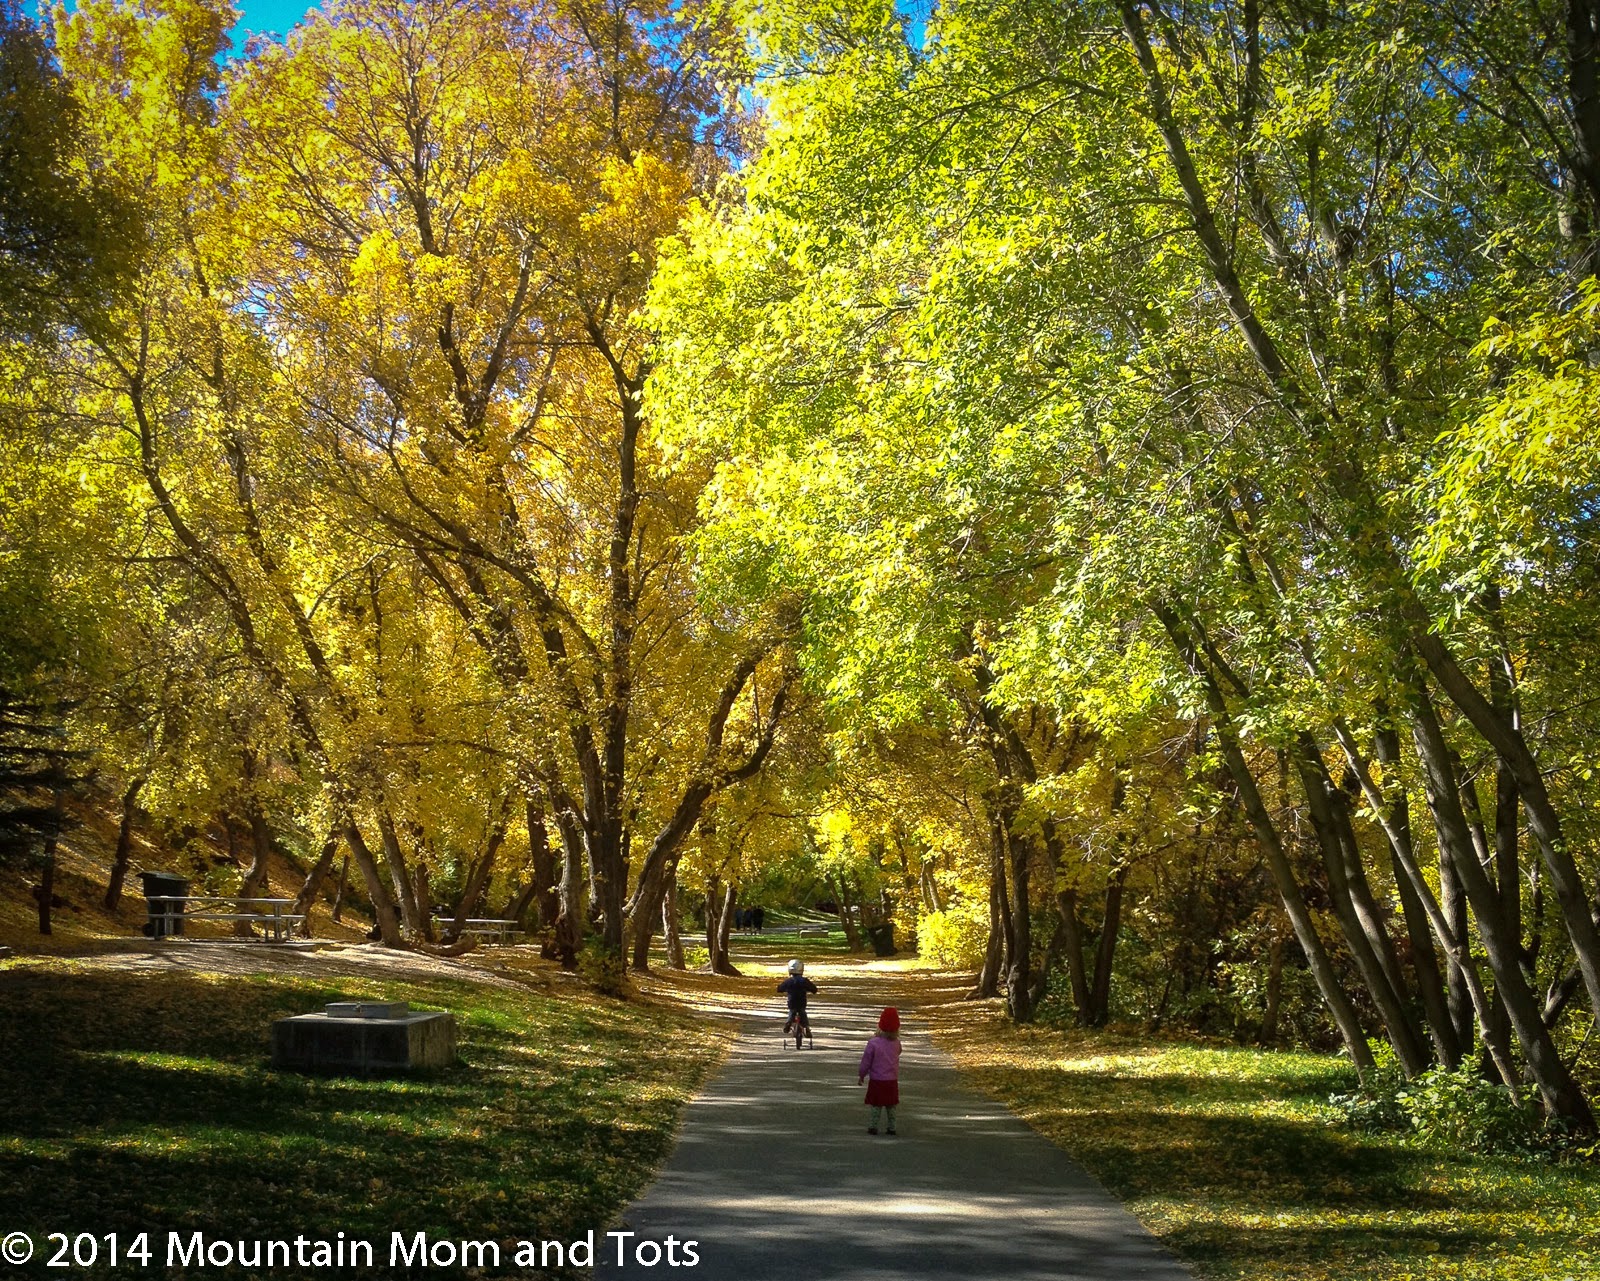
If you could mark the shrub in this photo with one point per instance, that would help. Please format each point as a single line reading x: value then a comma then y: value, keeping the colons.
x: 1374, y: 1108
x: 1375, y: 1104
x: 1459, y: 1109
x: 956, y: 936
x: 604, y: 970
x: 1466, y: 1110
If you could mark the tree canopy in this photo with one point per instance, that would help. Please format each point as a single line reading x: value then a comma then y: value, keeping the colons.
x: 1109, y: 485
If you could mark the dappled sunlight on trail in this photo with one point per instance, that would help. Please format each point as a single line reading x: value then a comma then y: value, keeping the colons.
x: 774, y: 1175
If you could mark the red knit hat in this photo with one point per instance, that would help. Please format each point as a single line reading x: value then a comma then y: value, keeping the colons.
x: 889, y: 1020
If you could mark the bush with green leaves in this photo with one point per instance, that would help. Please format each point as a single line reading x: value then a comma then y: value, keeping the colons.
x: 1373, y: 1108
x: 1464, y: 1109
x: 1460, y: 1108
x: 602, y: 969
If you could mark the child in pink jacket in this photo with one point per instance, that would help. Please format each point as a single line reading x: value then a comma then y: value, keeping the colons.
x: 881, y: 1062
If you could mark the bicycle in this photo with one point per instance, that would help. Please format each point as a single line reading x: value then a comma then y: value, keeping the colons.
x: 800, y: 1024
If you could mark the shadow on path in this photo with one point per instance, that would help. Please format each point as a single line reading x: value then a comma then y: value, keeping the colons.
x: 774, y: 1175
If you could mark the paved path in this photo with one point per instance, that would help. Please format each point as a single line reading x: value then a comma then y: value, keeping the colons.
x: 775, y: 1177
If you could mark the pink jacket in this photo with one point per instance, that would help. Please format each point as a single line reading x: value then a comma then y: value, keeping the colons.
x: 881, y: 1059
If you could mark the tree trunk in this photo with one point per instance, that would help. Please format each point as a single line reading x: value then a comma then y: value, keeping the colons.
x: 1395, y: 816
x: 1473, y: 812
x: 644, y: 931
x: 546, y: 877
x: 1543, y: 821
x: 1559, y: 1092
x: 1453, y: 903
x: 1507, y: 805
x: 847, y: 920
x: 724, y: 928
x: 313, y: 883
x: 422, y: 888
x: 1011, y: 855
x: 405, y: 893
x: 1454, y: 941
x: 1100, y: 994
x: 1373, y: 919
x: 573, y: 903
x: 47, y: 859
x: 609, y: 867
x: 930, y: 887
x: 1498, y: 1024
x: 593, y: 912
x: 719, y: 923
x: 344, y: 882
x: 988, y: 984
x: 1333, y: 993
x: 1052, y: 957
x: 1019, y: 983
x: 1379, y: 978
x: 713, y: 774
x: 119, y: 863
x: 1269, y: 1019
x: 1583, y: 90
x: 1067, y: 907
x: 713, y: 922
x: 517, y: 905
x: 669, y: 923
x: 647, y: 909
x: 1008, y: 945
x: 254, y: 882
x: 383, y: 910
x: 477, y: 881
x: 1508, y: 864
x: 1099, y: 1007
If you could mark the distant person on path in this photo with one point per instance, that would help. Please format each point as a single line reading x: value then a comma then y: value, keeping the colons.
x: 881, y: 1063
x: 797, y: 987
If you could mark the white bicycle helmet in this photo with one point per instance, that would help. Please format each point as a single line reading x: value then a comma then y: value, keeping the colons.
x: 797, y: 967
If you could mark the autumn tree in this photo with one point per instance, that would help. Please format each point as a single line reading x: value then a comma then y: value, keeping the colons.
x: 1158, y: 321
x: 468, y: 355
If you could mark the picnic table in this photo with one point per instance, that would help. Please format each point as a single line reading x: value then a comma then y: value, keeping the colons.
x: 275, y: 916
x: 492, y: 929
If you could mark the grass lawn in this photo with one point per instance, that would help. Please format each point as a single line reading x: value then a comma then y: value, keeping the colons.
x: 141, y: 1101
x: 1229, y: 1156
x: 780, y: 947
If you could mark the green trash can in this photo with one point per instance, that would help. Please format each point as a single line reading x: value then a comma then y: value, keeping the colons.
x: 882, y: 937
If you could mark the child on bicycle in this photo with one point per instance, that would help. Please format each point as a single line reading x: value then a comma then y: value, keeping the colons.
x: 880, y: 1069
x: 797, y: 987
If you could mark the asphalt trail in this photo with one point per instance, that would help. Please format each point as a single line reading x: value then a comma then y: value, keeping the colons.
x: 775, y: 1177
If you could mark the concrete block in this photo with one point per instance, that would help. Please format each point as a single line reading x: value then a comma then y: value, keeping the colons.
x: 380, y: 1045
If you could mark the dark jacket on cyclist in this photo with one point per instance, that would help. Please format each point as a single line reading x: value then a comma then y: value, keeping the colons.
x: 797, y: 987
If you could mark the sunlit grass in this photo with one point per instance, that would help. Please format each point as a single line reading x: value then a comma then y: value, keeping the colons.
x: 1232, y: 1157
x: 141, y: 1101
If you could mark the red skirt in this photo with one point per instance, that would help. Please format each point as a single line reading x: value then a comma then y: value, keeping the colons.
x: 883, y: 1094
